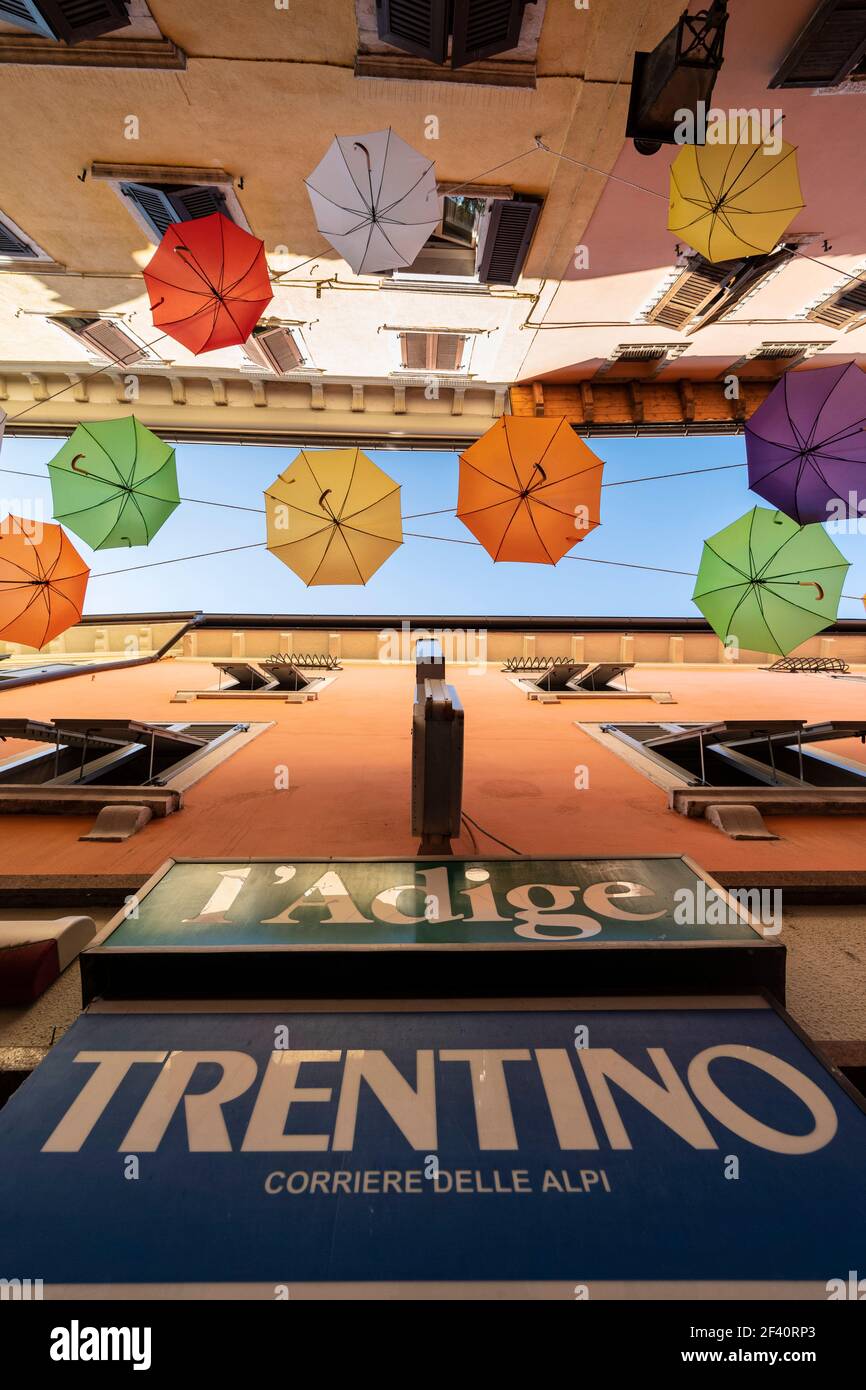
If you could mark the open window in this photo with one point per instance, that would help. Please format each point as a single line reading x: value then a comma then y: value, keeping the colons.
x: 73, y: 21
x: 104, y: 337
x: 748, y: 754
x: 481, y: 237
x: 845, y: 309
x: 706, y: 291
x: 105, y: 752
x: 276, y: 348
x: 829, y: 50
x: 458, y: 32
x: 15, y: 245
x: 160, y: 204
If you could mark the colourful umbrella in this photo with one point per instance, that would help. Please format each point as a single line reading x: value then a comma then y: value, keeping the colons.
x: 806, y: 444
x: 529, y: 489
x: 208, y: 283
x: 333, y: 516
x: 114, y: 483
x: 733, y: 200
x: 768, y: 582
x: 43, y: 580
x: 375, y: 200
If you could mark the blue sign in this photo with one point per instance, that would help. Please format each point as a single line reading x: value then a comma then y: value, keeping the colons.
x: 568, y: 1151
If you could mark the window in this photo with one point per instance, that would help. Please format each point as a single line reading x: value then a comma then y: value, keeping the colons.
x: 104, y: 337
x: 737, y: 753
x: 16, y: 245
x: 631, y: 360
x: 828, y: 50
x: 846, y: 309
x: 433, y: 352
x: 73, y: 21
x: 107, y: 752
x: 275, y: 348
x: 770, y: 360
x: 707, y: 290
x: 482, y: 236
x: 160, y: 204
x: 466, y: 31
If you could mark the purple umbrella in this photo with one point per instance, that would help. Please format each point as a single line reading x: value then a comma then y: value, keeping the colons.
x: 806, y: 444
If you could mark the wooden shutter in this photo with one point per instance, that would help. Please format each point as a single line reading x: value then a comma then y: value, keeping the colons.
x: 25, y: 14
x: 416, y: 26
x: 448, y: 351
x: 831, y: 44
x: 106, y: 338
x: 432, y: 352
x: 843, y: 310
x: 74, y: 21
x: 200, y: 200
x: 162, y: 204
x: 483, y: 28
x: 413, y: 350
x: 274, y: 348
x: 509, y: 232
x: 11, y: 244
x: 690, y: 293
x: 153, y: 204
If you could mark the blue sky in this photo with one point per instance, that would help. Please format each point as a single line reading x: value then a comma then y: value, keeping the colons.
x: 654, y: 523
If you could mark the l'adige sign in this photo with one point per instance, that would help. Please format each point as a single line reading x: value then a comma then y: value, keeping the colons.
x: 591, y: 1149
x: 236, y: 921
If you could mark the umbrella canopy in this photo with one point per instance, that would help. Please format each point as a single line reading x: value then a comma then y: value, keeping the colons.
x: 768, y: 582
x: 729, y: 201
x: 529, y: 489
x: 43, y: 580
x: 374, y: 198
x: 208, y: 283
x: 114, y: 483
x: 333, y: 517
x: 806, y: 444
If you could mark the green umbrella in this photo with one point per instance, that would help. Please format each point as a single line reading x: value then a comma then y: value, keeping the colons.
x: 114, y: 483
x: 768, y: 582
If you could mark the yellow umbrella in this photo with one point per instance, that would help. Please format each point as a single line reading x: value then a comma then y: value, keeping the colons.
x: 333, y: 516
x: 733, y: 200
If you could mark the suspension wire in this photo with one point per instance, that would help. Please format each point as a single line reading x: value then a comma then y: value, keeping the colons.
x: 416, y: 535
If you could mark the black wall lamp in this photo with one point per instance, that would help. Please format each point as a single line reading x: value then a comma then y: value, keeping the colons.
x: 679, y: 73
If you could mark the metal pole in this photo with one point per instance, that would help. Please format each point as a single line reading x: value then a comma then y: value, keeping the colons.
x: 703, y: 768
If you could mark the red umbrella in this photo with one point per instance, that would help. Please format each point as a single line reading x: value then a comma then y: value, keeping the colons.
x: 208, y: 283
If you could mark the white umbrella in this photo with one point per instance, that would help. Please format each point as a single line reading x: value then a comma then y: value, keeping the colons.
x: 375, y: 200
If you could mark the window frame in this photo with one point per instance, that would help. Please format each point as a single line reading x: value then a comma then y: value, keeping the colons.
x: 40, y: 256
x: 115, y: 175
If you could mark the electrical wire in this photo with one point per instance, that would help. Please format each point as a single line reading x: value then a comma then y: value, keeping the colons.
x: 494, y: 838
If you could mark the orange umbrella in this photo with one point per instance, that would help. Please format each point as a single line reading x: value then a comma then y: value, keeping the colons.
x: 208, y: 283
x: 529, y: 489
x: 43, y: 580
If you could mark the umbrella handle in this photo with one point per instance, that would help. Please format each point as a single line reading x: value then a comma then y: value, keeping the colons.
x: 809, y: 583
x: 322, y: 502
x: 197, y: 270
x: 358, y: 146
x: 74, y: 464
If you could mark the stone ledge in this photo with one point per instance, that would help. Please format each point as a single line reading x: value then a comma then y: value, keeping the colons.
x: 31, y: 51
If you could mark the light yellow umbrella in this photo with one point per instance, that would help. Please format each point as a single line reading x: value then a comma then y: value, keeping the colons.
x: 733, y: 200
x: 333, y: 516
